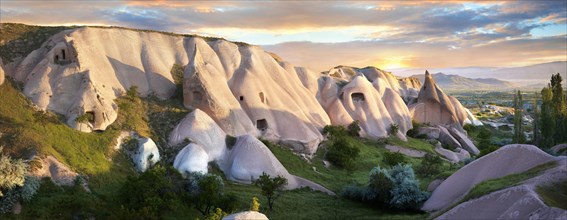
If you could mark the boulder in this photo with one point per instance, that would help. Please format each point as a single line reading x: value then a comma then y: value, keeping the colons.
x: 517, y: 202
x: 59, y: 173
x: 452, y: 156
x: 434, y: 184
x: 465, y: 142
x: 500, y: 163
x: 249, y: 158
x: 560, y: 149
x: 192, y: 158
x: 247, y: 215
x: 446, y: 138
x: 146, y: 155
x: 430, y: 132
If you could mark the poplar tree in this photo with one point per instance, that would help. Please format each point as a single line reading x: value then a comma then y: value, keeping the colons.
x: 518, y: 131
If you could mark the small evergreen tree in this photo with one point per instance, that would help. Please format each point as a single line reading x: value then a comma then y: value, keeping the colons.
x: 271, y: 187
x: 559, y: 109
x: 518, y: 131
x: 535, y: 116
x: 12, y: 173
x: 547, y: 118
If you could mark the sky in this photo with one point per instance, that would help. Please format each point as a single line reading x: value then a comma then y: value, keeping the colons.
x: 323, y: 34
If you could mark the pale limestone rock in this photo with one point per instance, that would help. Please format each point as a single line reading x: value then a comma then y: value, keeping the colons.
x: 247, y: 215
x: 502, y: 162
x: 445, y: 137
x: 146, y: 155
x: 192, y: 158
x: 465, y: 142
x: 58, y: 172
x: 430, y: 132
x: 2, y: 74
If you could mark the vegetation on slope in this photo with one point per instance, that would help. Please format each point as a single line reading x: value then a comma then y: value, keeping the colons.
x: 554, y: 195
x: 18, y: 40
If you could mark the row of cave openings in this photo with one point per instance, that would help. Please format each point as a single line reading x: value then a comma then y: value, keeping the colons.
x: 261, y: 124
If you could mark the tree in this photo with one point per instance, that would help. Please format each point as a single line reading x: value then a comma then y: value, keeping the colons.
x: 559, y: 108
x: 271, y: 187
x: 209, y: 192
x: 342, y: 152
x: 405, y: 193
x: 518, y: 131
x: 153, y: 193
x: 430, y: 165
x: 484, y: 137
x: 12, y: 173
x: 535, y: 116
x: 547, y: 118
x: 255, y: 205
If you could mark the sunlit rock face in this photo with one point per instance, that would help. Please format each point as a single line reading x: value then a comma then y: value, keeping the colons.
x: 243, y: 88
x: 146, y: 155
x: 433, y: 106
x: 2, y: 74
x: 502, y: 162
x: 369, y: 95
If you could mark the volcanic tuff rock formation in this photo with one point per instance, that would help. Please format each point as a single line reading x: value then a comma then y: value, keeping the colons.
x: 244, y: 89
x: 146, y: 155
x: 370, y: 96
x: 517, y: 202
x: 243, y: 162
x: 499, y: 163
x: 2, y: 74
x: 411, y: 87
x: 435, y: 107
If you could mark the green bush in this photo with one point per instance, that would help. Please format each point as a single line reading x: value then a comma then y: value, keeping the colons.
x: 394, y: 128
x: 431, y: 165
x: 12, y: 171
x: 153, y: 193
x: 353, y: 129
x: 487, y: 150
x: 230, y: 141
x: 396, y: 188
x: 342, y: 152
x: 393, y: 158
x: 26, y: 192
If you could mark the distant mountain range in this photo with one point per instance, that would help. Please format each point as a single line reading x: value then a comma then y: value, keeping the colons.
x: 455, y: 82
x: 533, y: 76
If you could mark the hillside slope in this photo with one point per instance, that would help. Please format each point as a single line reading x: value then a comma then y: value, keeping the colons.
x: 456, y: 82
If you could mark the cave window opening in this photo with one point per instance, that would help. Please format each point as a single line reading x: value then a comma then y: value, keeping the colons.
x: 262, y: 124
x: 241, y: 98
x: 56, y: 58
x: 357, y: 97
x: 63, y: 54
x: 262, y: 99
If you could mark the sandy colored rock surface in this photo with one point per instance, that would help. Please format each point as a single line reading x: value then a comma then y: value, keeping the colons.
x: 57, y: 171
x: 433, y: 106
x: 518, y: 202
x: 405, y: 151
x: 247, y: 215
x: 192, y: 158
x: 445, y: 137
x: 81, y: 71
x: 146, y: 155
x: 507, y: 160
x: 430, y: 132
x: 2, y: 73
x: 464, y: 140
x: 452, y: 156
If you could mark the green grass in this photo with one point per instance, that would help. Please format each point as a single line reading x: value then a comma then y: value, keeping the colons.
x: 413, y: 143
x: 554, y: 195
x: 493, y: 185
x: 307, y: 204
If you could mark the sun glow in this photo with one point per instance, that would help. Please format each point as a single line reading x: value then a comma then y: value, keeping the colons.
x: 394, y: 62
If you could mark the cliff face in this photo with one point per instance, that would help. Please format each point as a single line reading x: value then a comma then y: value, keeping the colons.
x: 243, y: 88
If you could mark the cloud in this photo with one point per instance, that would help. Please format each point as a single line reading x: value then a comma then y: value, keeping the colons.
x: 353, y: 32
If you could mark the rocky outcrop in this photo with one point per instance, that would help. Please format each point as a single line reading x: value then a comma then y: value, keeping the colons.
x: 245, y: 90
x: 433, y: 106
x: 411, y: 87
x: 518, y: 202
x: 453, y: 156
x: 500, y: 163
x: 146, y: 155
x: 247, y: 215
x: 465, y: 142
x: 58, y: 172
x: 369, y: 95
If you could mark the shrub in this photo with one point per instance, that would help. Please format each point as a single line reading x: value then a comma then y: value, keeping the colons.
x: 393, y: 158
x: 396, y: 188
x: 255, y: 205
x: 406, y: 194
x: 25, y: 193
x: 430, y: 165
x: 84, y: 118
x: 132, y: 92
x: 332, y: 131
x: 12, y: 172
x: 487, y: 150
x: 271, y: 187
x: 230, y: 141
x: 342, y: 152
x: 415, y: 127
x: 153, y: 193
x: 394, y: 128
x: 484, y: 138
x: 354, y: 129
